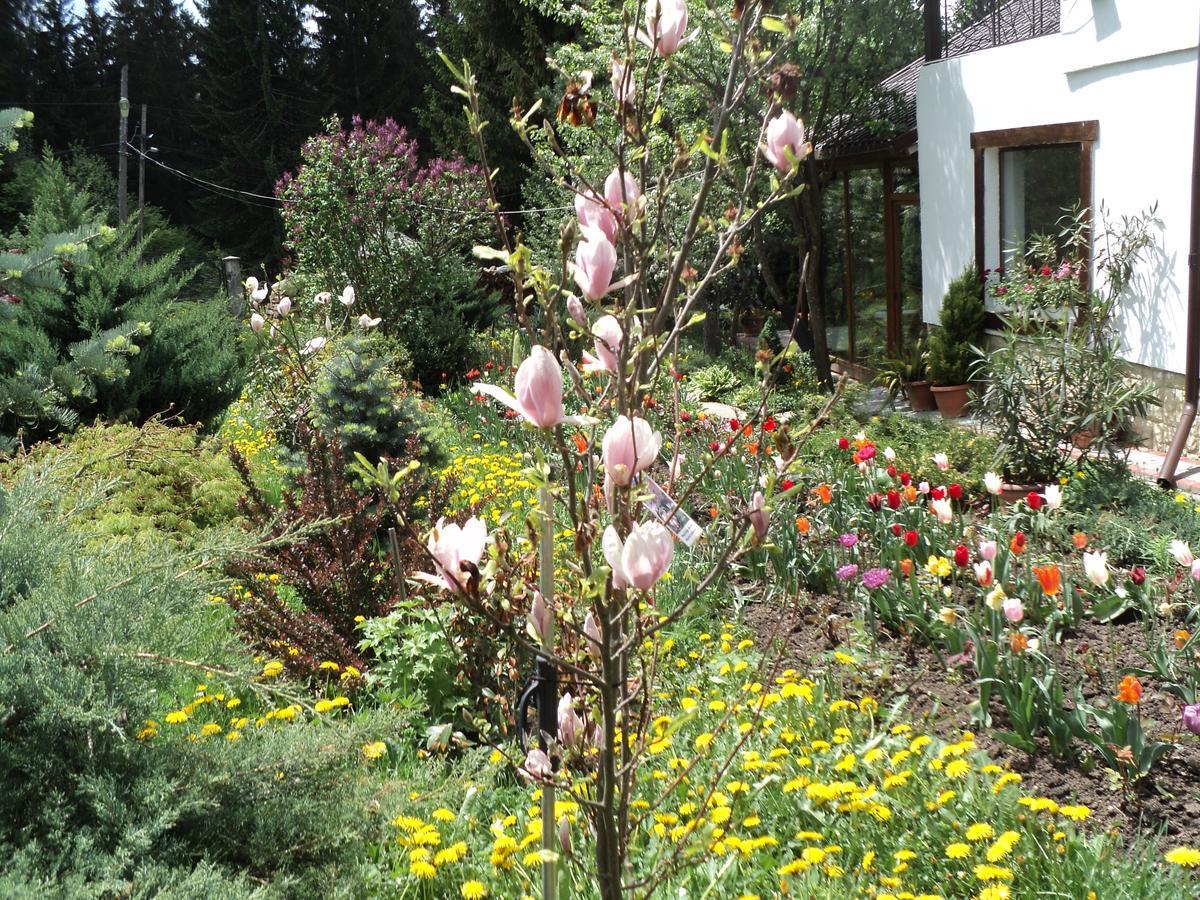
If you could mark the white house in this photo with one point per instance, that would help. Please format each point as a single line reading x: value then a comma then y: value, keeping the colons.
x: 1097, y: 108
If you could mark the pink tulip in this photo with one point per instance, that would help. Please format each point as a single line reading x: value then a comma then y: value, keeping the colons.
x: 540, y: 622
x: 987, y: 550
x: 592, y: 212
x: 1191, y: 718
x: 943, y: 510
x: 456, y: 553
x: 1196, y: 570
x: 646, y: 555
x: 1014, y: 611
x: 623, y: 86
x: 622, y: 194
x: 539, y: 391
x: 595, y: 259
x: 256, y: 323
x: 785, y: 134
x: 575, y: 311
x: 666, y: 25
x: 759, y: 517
x: 629, y: 446
x: 608, y: 341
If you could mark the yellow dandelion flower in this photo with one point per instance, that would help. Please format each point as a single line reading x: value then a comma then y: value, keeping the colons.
x: 422, y: 869
x: 957, y: 850
x: 980, y: 831
x: 1002, y: 846
x: 473, y: 890
x: 1187, y: 857
x: 374, y: 750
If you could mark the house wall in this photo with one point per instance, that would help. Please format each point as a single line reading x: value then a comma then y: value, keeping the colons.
x: 1131, y: 65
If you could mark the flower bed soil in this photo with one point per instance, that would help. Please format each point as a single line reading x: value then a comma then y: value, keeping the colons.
x: 1167, y: 802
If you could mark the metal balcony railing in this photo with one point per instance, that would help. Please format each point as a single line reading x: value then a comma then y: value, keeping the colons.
x: 958, y: 27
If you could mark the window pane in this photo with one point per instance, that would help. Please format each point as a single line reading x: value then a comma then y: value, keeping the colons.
x: 1038, y: 186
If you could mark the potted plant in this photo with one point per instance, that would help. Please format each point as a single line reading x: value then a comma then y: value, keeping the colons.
x: 906, y: 373
x: 1058, y: 382
x: 952, y: 346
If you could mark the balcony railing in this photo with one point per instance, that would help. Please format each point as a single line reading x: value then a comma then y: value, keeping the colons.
x: 958, y: 27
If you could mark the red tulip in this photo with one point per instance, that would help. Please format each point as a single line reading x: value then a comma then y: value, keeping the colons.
x: 910, y: 538
x: 1034, y: 499
x: 956, y: 491
x: 893, y: 499
x: 962, y: 556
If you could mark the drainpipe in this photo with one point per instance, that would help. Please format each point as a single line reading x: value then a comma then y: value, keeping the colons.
x: 1191, y: 378
x: 933, y: 30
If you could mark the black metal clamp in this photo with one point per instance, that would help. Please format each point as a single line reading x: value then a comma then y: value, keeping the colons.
x: 542, y: 691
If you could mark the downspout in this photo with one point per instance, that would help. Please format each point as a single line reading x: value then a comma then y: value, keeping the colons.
x: 1191, y: 378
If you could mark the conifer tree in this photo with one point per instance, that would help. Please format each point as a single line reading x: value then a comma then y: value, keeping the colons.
x: 257, y: 107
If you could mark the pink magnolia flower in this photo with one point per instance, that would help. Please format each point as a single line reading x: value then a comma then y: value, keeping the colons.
x: 540, y: 621
x: 537, y: 766
x: 591, y: 634
x: 785, y: 134
x: 611, y: 544
x: 309, y: 348
x: 570, y: 725
x: 592, y: 212
x: 365, y: 321
x: 575, y: 311
x: 645, y: 556
x: 347, y: 298
x: 539, y: 391
x: 666, y: 26
x: 607, y: 331
x: 759, y: 517
x: 564, y: 834
x: 623, y: 86
x: 451, y: 547
x: 595, y: 259
x: 257, y: 322
x: 629, y: 446
x: 283, y: 307
x: 622, y: 194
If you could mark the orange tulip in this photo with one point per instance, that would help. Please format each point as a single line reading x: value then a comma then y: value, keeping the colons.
x: 1080, y: 539
x: 580, y: 442
x: 1182, y: 636
x: 747, y: 431
x: 803, y: 525
x: 1017, y: 544
x: 752, y: 448
x: 910, y: 494
x: 906, y: 567
x: 712, y: 511
x: 1130, y: 690
x: 1050, y: 578
x: 824, y: 492
x: 1018, y: 642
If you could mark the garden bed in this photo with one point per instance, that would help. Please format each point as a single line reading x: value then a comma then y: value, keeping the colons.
x: 940, y: 699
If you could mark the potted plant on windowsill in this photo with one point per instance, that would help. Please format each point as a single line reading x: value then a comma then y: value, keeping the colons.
x: 907, y: 372
x: 952, y: 346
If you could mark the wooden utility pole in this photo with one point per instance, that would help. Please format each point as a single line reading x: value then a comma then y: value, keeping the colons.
x: 142, y: 179
x: 123, y: 148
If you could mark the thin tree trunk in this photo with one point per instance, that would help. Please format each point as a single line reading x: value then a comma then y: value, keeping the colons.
x: 712, y: 323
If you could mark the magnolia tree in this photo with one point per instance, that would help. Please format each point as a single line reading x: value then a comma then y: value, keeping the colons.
x: 631, y: 279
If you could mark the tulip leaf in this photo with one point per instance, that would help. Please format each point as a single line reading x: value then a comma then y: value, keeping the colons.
x: 1110, y: 608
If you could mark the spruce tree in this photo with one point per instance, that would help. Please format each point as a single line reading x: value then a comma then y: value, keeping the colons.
x: 257, y: 107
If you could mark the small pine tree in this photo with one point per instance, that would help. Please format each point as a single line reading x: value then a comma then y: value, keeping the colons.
x: 962, y: 321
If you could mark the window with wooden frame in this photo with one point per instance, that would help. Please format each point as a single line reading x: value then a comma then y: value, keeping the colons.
x: 1025, y: 178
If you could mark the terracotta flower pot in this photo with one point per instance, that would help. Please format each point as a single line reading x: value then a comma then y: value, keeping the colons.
x: 951, y: 399
x: 1011, y: 493
x: 920, y: 396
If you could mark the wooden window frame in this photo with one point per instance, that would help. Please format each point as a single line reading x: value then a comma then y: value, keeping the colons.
x: 1084, y: 133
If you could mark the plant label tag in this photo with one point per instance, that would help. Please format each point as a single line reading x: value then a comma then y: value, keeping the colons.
x: 678, y: 522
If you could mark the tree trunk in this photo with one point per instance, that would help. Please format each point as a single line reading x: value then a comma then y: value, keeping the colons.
x: 806, y: 216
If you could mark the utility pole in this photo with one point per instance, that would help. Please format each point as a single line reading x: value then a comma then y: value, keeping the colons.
x: 123, y: 148
x: 142, y: 180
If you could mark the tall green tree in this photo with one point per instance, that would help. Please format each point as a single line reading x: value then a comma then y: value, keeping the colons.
x: 257, y: 107
x: 370, y: 60
x: 156, y: 38
x: 507, y: 43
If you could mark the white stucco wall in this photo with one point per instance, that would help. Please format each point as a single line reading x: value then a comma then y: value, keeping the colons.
x: 1131, y: 65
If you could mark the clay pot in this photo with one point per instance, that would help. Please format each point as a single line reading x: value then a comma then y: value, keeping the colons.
x: 951, y: 399
x: 920, y: 396
x: 1011, y: 493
